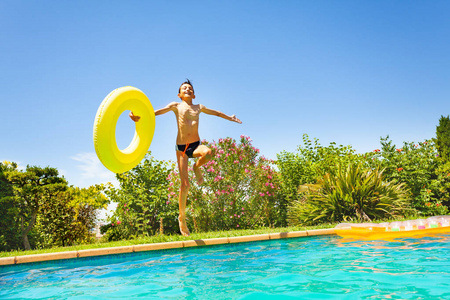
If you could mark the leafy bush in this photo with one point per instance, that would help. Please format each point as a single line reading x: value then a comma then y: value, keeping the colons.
x: 311, y: 160
x: 418, y: 165
x: 67, y: 217
x: 239, y: 190
x: 351, y: 193
x: 442, y: 188
x: 142, y: 202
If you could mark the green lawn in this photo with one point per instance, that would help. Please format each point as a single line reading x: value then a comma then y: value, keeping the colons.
x: 166, y: 238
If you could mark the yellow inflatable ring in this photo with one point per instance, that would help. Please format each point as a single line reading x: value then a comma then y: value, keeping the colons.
x: 119, y: 100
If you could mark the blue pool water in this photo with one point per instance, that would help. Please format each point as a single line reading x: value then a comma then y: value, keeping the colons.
x: 306, y: 268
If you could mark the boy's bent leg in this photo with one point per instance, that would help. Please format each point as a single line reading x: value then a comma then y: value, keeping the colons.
x: 184, y: 189
x: 204, y: 154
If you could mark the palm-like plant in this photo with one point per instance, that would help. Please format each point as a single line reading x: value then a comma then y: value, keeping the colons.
x: 350, y: 194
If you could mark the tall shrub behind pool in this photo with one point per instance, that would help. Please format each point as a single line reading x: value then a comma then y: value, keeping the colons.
x: 352, y: 193
x: 240, y: 191
x: 417, y: 165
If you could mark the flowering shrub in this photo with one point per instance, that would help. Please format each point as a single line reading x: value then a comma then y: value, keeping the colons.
x: 239, y: 189
x: 418, y: 166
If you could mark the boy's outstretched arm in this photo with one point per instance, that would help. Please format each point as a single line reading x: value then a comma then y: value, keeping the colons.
x: 170, y: 107
x: 219, y: 114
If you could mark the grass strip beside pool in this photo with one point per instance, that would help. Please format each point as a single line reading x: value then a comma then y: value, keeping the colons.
x: 161, y: 242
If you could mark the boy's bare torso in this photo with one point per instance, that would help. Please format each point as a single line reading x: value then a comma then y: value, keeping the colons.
x: 187, y: 122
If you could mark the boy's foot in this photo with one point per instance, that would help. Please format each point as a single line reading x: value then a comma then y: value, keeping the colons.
x: 198, y: 175
x: 183, y: 227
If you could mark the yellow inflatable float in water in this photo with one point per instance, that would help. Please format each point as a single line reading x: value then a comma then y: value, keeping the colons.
x: 118, y: 101
x: 373, y: 231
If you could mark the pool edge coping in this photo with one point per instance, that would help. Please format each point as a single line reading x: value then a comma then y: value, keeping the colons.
x: 31, y: 258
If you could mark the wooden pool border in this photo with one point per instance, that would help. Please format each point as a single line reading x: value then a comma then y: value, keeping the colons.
x: 22, y: 259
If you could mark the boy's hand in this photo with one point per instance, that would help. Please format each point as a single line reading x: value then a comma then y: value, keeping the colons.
x: 133, y: 117
x: 233, y: 118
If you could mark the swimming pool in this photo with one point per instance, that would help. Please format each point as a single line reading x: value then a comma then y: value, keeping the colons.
x: 314, y: 267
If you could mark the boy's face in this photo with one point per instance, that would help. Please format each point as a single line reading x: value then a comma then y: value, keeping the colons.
x: 186, y: 92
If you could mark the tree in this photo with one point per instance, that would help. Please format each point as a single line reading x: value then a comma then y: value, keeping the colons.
x: 9, y: 238
x: 443, y: 138
x: 30, y: 188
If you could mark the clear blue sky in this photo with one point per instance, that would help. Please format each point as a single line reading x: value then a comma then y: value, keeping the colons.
x: 342, y: 71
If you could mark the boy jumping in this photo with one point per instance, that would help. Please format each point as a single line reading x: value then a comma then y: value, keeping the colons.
x: 188, y: 141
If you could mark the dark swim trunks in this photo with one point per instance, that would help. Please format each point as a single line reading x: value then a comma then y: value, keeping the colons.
x: 188, y: 149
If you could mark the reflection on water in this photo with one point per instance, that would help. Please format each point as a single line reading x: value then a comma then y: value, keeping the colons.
x: 322, y: 267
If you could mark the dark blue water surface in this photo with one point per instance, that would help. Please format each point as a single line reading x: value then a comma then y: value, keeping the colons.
x: 307, y: 268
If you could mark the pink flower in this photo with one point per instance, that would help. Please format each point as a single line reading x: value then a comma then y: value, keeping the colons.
x: 167, y: 202
x: 217, y: 179
x: 118, y: 222
x: 237, y: 225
